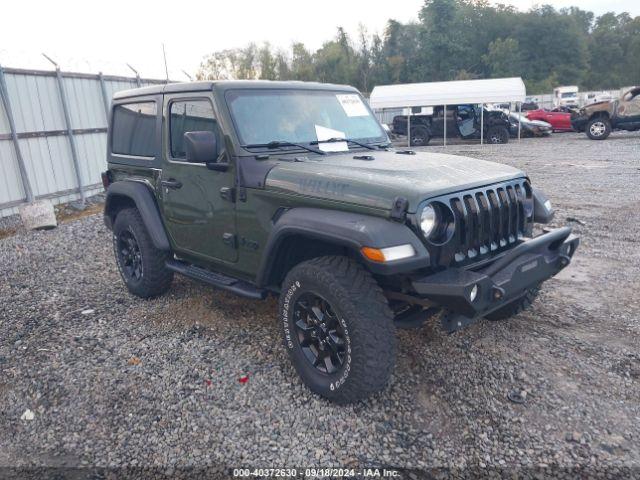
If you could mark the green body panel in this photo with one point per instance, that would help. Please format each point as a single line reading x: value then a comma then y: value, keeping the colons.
x: 149, y: 176
x: 195, y: 216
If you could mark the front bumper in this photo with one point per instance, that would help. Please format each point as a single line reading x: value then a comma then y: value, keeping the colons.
x: 505, y: 280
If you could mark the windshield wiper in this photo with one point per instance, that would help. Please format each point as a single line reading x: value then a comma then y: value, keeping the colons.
x: 282, y: 143
x: 348, y: 140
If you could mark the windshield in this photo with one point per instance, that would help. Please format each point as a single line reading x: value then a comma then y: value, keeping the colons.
x: 301, y: 116
x: 569, y: 95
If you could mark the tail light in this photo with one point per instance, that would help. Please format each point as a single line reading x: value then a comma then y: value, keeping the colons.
x: 106, y: 179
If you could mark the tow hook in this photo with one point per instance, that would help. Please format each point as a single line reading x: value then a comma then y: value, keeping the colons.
x: 497, y: 293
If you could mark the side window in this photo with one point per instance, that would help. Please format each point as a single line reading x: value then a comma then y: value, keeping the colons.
x: 188, y: 116
x: 133, y: 129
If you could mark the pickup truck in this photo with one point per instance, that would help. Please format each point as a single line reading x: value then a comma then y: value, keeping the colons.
x: 598, y: 120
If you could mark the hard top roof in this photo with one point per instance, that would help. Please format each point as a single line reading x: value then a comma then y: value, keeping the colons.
x: 227, y: 85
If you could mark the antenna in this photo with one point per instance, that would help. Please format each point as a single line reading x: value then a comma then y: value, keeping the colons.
x: 166, y: 69
x: 188, y: 76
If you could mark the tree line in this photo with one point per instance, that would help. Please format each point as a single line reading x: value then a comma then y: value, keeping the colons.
x: 457, y: 40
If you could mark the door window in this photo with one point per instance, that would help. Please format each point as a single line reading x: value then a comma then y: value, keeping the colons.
x: 188, y: 116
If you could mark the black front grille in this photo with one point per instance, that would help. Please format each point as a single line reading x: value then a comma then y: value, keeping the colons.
x: 487, y: 220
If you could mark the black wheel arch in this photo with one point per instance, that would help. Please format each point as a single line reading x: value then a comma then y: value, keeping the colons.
x: 303, y: 233
x: 127, y: 193
x: 599, y: 114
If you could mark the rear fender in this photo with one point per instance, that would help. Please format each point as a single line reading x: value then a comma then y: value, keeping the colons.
x: 126, y: 193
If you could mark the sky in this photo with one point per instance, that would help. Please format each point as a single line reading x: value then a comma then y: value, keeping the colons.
x: 92, y: 36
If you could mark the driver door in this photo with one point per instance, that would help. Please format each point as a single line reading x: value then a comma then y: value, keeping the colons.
x: 197, y: 203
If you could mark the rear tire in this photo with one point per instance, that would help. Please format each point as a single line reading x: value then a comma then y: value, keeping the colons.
x: 497, y: 134
x: 598, y: 128
x: 141, y: 265
x: 516, y: 306
x: 331, y: 307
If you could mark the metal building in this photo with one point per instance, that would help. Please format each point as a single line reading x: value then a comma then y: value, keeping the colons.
x: 53, y: 128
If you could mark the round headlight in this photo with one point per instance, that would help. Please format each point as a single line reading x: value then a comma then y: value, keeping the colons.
x: 428, y: 220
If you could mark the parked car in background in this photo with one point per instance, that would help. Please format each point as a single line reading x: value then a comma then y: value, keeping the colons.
x: 559, y: 121
x: 529, y: 104
x: 565, y: 96
x: 462, y: 121
x: 528, y: 128
x: 598, y: 120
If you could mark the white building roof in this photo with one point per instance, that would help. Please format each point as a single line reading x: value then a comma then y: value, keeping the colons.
x: 459, y: 92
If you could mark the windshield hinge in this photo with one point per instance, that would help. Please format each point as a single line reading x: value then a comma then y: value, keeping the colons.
x: 228, y: 193
x: 399, y: 209
x: 230, y: 240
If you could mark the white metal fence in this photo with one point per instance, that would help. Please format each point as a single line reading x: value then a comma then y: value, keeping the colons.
x: 53, y: 133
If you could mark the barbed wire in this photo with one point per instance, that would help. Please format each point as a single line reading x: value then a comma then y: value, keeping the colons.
x: 30, y: 59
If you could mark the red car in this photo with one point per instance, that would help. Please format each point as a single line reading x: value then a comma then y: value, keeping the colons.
x: 560, y: 121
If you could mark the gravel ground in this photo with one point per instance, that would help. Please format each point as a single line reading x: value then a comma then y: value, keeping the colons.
x: 116, y: 381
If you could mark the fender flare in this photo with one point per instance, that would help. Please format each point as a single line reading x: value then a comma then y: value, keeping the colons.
x: 145, y: 202
x: 345, y: 229
x: 541, y: 214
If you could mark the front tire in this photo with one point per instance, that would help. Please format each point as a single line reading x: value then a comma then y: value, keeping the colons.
x: 141, y: 265
x: 497, y: 134
x: 419, y: 136
x: 598, y: 128
x: 337, y: 328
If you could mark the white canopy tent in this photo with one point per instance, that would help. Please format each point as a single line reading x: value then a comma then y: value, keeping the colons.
x: 459, y: 92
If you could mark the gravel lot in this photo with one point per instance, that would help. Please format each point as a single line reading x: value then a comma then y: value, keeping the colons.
x: 116, y: 381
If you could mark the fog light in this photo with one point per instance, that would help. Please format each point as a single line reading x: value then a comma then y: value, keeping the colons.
x: 473, y: 293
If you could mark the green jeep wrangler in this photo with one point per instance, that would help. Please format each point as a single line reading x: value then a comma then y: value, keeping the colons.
x: 293, y: 189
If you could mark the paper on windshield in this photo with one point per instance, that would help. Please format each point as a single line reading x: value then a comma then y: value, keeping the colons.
x: 324, y: 133
x: 352, y: 105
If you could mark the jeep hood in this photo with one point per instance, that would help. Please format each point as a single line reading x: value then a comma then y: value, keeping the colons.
x: 376, y: 183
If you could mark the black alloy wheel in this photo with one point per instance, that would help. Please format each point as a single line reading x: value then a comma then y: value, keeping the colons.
x: 320, y: 333
x: 130, y: 254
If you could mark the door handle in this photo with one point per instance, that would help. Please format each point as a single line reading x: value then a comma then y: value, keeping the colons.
x: 171, y: 183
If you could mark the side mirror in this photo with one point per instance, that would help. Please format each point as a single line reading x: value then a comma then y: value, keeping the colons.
x: 201, y: 147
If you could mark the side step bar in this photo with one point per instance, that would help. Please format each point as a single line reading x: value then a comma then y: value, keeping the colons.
x: 223, y: 282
